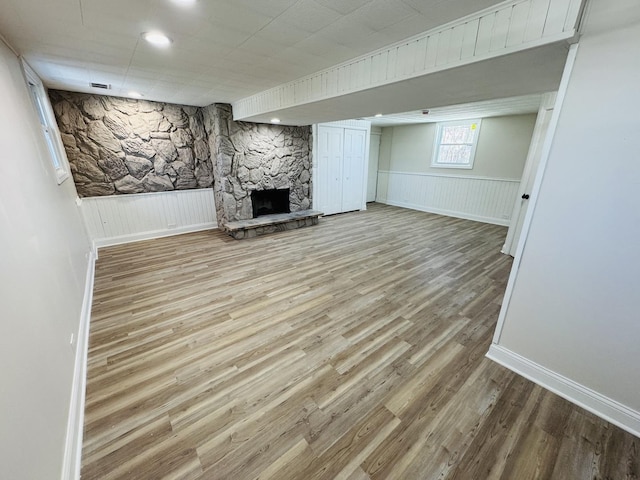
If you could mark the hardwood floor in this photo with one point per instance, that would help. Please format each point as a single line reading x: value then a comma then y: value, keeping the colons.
x: 351, y: 350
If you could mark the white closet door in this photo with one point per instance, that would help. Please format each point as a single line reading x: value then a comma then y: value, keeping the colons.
x: 329, y: 189
x: 353, y: 169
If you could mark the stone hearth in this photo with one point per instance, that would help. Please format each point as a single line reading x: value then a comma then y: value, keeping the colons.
x: 278, y: 222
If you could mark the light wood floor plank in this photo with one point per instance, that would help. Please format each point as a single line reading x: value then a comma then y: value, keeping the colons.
x: 350, y: 350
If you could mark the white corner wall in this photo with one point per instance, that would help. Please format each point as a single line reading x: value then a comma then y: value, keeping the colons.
x: 43, y: 271
x: 484, y: 193
x: 572, y: 321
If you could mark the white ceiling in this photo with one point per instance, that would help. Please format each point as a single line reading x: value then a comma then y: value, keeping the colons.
x: 490, y: 108
x: 222, y: 50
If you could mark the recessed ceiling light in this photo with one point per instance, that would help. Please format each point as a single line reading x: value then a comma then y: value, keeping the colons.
x: 157, y: 38
x: 135, y: 95
x: 378, y: 115
x: 184, y: 3
x: 275, y: 120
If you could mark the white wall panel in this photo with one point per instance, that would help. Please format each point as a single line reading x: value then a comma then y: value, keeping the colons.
x: 45, y: 285
x: 505, y: 28
x: 125, y: 218
x: 569, y: 320
x: 487, y: 200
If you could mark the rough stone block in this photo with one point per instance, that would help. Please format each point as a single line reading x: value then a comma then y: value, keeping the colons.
x: 129, y: 184
x: 165, y: 149
x: 92, y: 107
x: 113, y: 166
x: 157, y: 183
x: 102, y: 136
x: 138, y: 167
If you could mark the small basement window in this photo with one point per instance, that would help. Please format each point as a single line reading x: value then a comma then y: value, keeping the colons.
x: 456, y: 143
x: 48, y: 124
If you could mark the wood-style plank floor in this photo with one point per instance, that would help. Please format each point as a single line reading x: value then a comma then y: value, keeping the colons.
x: 351, y: 350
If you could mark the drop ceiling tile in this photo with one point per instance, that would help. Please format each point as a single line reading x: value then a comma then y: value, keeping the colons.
x: 113, y: 10
x: 444, y: 11
x: 307, y: 62
x: 238, y: 17
x: 259, y: 47
x: 273, y: 8
x: 325, y: 47
x: 47, y: 11
x: 347, y: 31
x: 210, y: 39
x: 307, y: 15
x: 282, y: 34
x: 343, y: 7
x: 380, y: 14
x: 405, y: 28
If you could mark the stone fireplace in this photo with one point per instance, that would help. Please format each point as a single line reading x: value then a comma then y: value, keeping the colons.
x: 249, y: 157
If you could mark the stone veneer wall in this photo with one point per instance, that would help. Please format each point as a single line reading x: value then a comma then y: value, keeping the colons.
x: 252, y: 156
x: 118, y: 146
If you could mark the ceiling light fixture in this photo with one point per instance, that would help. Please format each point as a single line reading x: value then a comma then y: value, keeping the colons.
x: 378, y: 115
x: 275, y: 120
x: 185, y: 3
x: 135, y: 95
x: 157, y: 38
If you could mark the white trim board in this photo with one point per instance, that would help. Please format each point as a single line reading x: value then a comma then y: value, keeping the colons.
x: 450, y: 175
x: 604, y: 407
x: 141, y: 236
x: 75, y: 423
x: 448, y: 213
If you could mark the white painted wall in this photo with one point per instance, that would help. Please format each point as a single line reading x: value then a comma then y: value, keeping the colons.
x: 43, y: 265
x: 502, y: 148
x: 486, y: 192
x: 573, y: 314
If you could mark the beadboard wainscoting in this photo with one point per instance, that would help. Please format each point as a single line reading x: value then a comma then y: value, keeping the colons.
x: 483, y: 199
x: 127, y: 218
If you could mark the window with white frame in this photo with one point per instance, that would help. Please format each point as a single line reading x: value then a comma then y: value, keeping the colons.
x: 456, y: 143
x: 48, y: 124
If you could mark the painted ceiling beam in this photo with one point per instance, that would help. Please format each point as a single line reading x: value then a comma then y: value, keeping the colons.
x: 507, y: 28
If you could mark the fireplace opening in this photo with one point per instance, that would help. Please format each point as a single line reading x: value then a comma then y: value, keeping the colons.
x: 267, y: 202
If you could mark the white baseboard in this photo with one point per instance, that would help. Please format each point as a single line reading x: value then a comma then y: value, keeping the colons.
x: 449, y: 213
x: 73, y: 444
x: 596, y: 403
x: 140, y: 236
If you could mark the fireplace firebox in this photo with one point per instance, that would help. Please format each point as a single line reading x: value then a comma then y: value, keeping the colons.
x: 267, y: 202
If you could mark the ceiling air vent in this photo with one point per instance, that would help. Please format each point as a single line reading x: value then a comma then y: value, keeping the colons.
x: 104, y: 86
